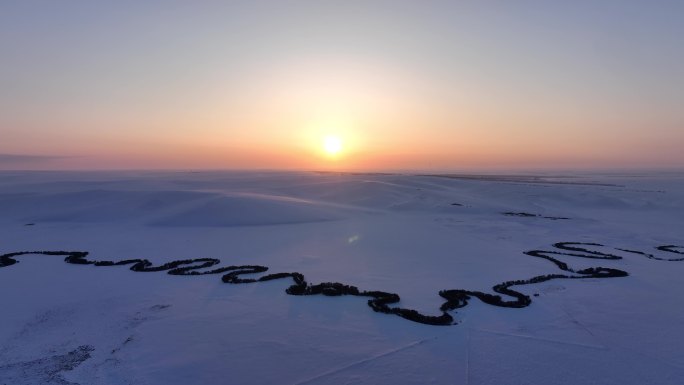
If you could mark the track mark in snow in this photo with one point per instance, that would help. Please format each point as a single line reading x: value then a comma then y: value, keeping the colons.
x: 46, y: 370
x: 364, y: 361
x: 660, y: 360
x: 507, y: 334
x: 115, y: 350
x: 576, y: 322
x: 468, y: 356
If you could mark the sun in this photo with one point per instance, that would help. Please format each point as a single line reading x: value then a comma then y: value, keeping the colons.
x: 332, y: 145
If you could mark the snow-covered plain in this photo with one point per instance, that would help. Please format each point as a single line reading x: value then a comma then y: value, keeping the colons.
x: 406, y: 234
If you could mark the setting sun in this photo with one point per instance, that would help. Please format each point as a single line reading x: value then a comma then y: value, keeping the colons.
x: 332, y: 145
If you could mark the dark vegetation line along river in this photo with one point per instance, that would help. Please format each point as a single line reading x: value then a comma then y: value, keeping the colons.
x: 380, y: 301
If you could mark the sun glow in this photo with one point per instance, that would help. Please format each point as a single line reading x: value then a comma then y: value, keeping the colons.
x: 332, y: 145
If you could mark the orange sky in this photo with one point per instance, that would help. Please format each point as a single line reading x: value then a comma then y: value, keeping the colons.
x: 410, y: 87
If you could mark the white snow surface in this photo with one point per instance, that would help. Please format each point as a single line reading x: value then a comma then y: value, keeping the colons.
x: 81, y: 324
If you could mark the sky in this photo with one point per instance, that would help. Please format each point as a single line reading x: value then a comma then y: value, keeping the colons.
x: 402, y: 85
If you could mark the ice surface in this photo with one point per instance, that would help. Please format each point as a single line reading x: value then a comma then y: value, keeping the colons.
x: 406, y: 234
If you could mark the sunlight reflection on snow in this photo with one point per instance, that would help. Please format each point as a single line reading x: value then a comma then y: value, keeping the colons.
x: 353, y: 239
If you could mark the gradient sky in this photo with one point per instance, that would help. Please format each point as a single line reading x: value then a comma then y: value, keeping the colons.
x: 442, y: 85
